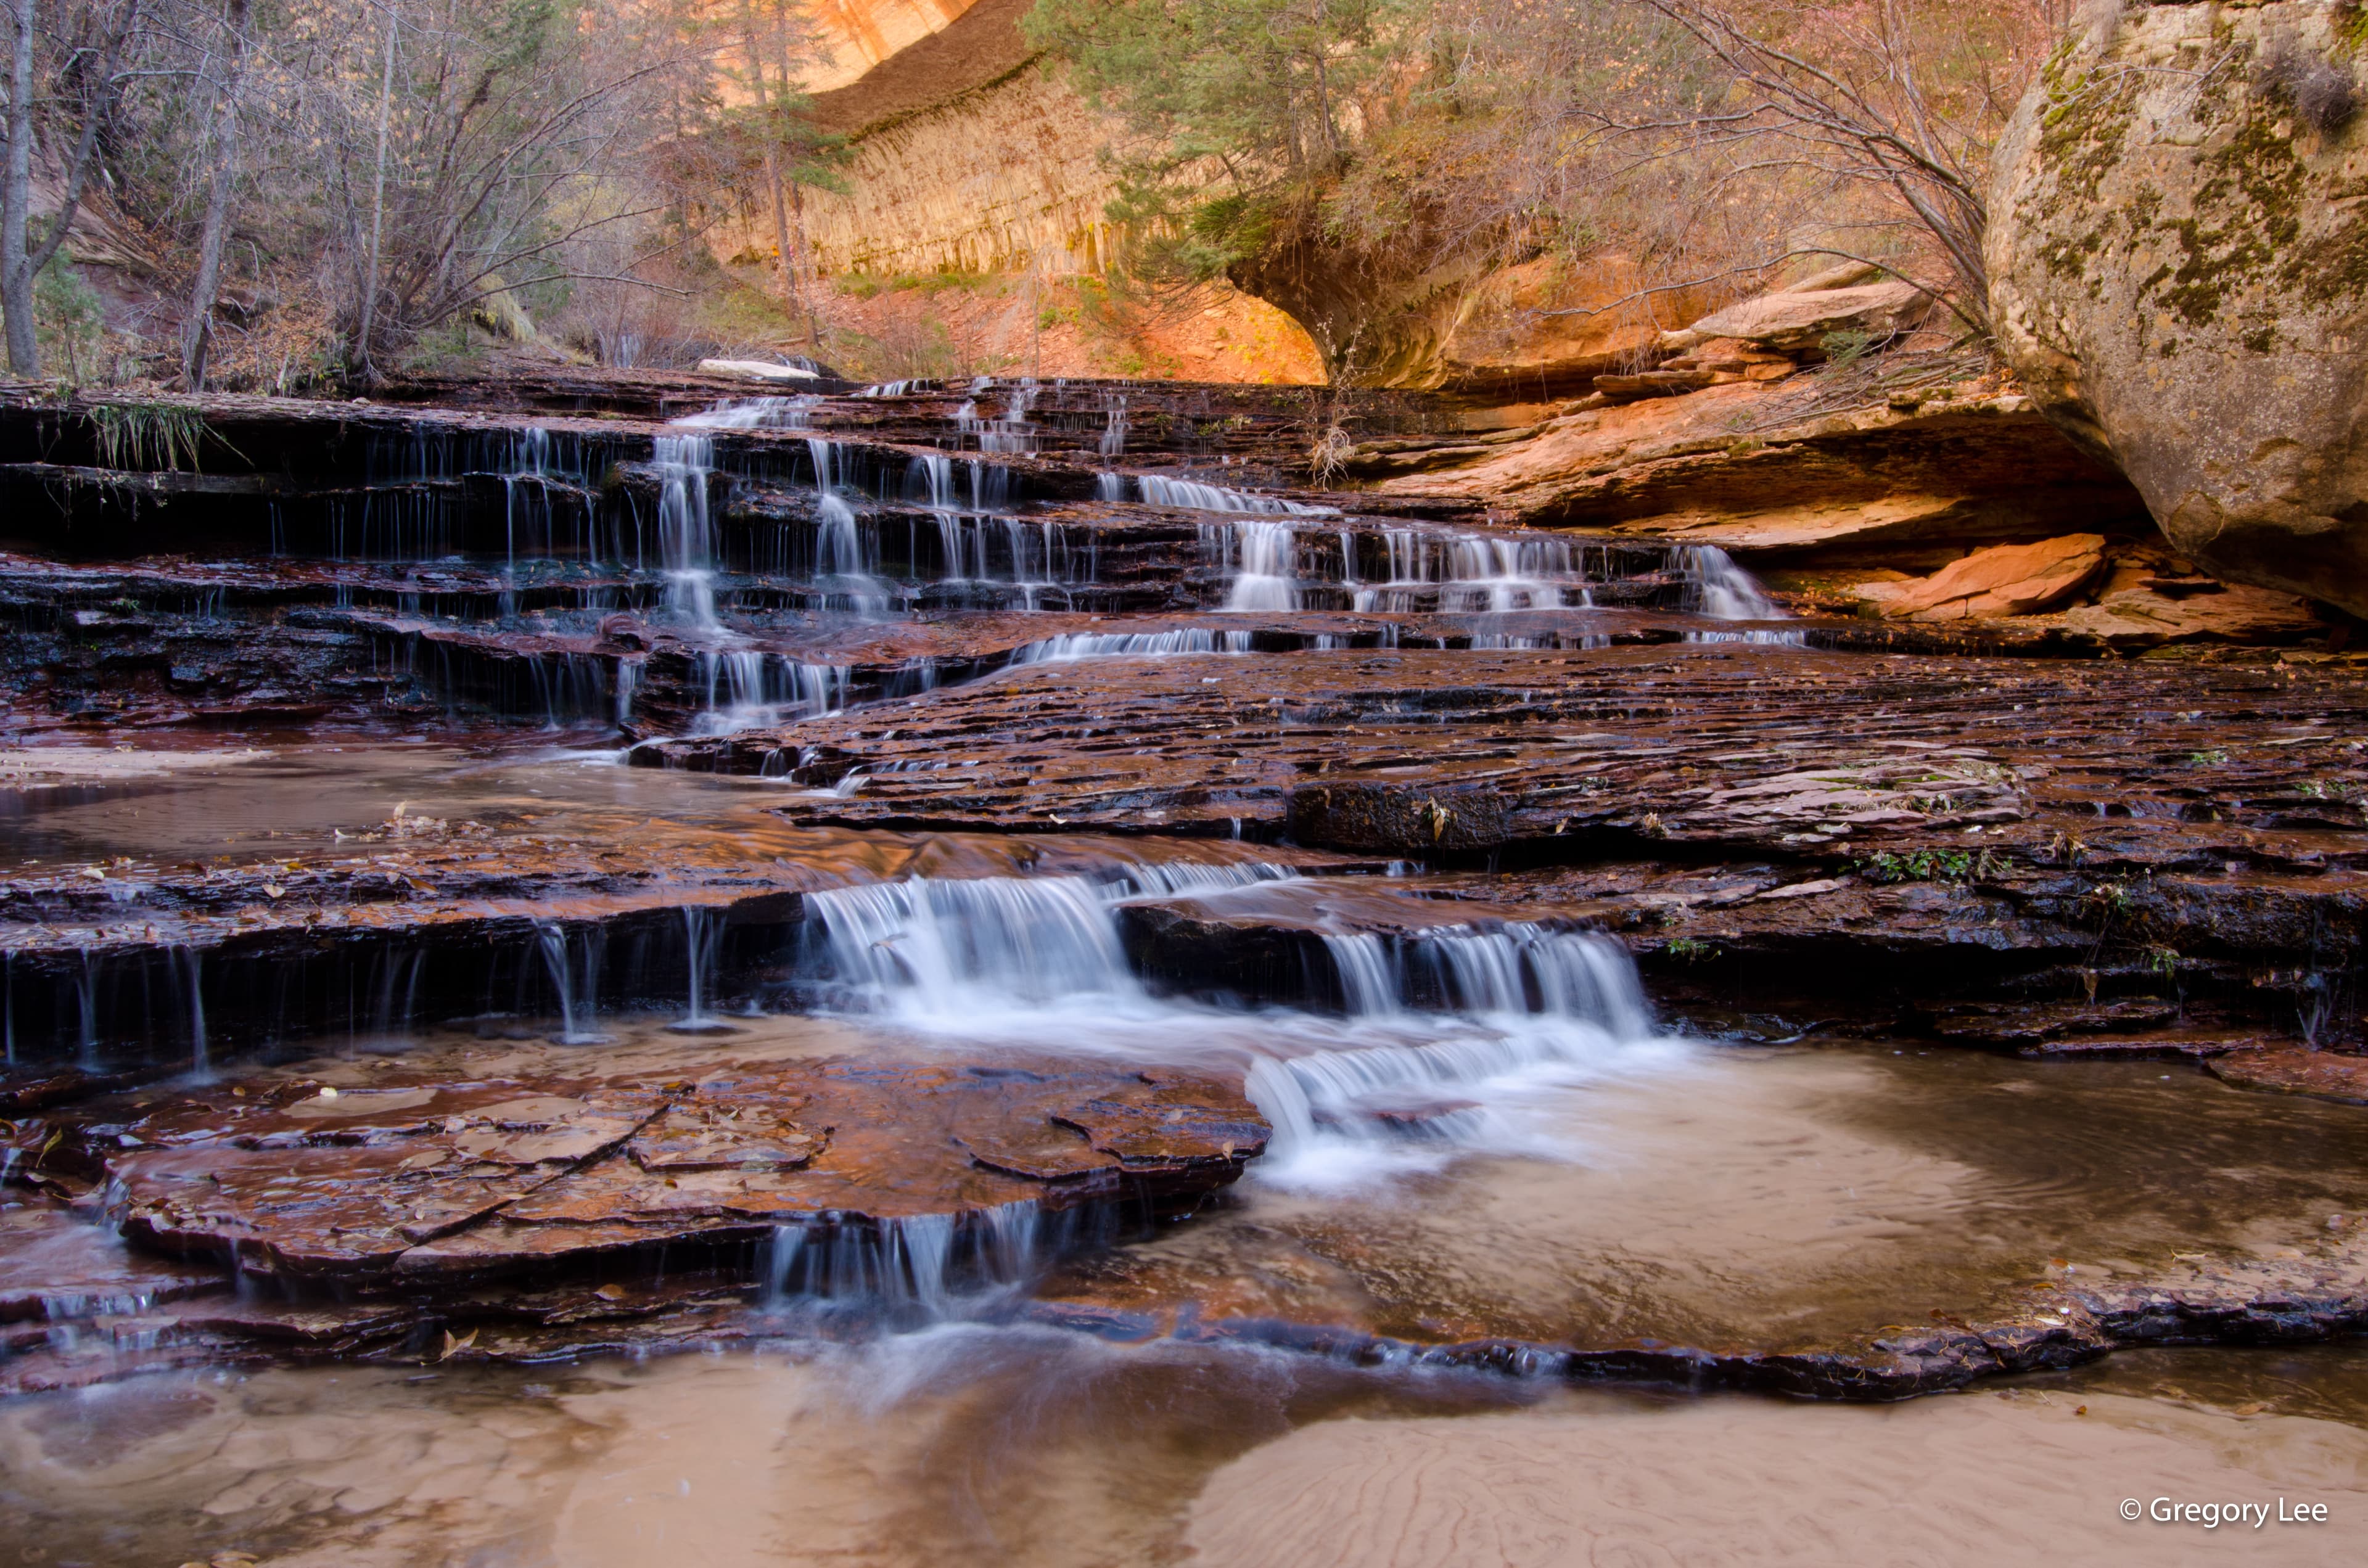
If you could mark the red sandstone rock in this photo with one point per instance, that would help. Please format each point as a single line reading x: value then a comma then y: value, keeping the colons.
x: 2321, y: 1074
x: 2010, y: 579
x: 449, y: 1181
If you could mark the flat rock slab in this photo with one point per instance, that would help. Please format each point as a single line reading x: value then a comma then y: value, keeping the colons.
x: 2322, y: 1074
x: 421, y: 1182
x: 1742, y: 747
x: 58, y: 1261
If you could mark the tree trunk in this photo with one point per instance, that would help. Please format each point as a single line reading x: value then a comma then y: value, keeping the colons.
x: 377, y: 211
x: 197, y: 331
x: 19, y: 267
x: 17, y: 202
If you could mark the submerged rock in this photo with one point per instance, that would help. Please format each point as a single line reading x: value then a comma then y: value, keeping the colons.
x: 2174, y: 251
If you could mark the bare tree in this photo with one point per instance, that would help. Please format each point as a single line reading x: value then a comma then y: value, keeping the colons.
x: 197, y: 325
x: 92, y: 70
x: 1850, y: 101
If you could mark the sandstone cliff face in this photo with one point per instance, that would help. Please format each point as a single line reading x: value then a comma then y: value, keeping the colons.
x: 968, y: 156
x: 1781, y: 473
x: 853, y: 36
x: 2180, y: 263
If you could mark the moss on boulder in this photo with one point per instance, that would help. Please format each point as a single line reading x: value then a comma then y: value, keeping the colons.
x: 2179, y: 255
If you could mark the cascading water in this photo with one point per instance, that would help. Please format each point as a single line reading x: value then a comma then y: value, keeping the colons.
x: 191, y: 960
x: 1110, y: 645
x: 685, y: 536
x: 1448, y: 1033
x: 757, y: 414
x: 1159, y: 490
x: 1721, y: 589
x: 567, y: 969
x: 838, y: 541
x: 703, y: 935
x: 1262, y: 560
x: 745, y: 688
x: 1717, y: 588
x: 932, y: 1266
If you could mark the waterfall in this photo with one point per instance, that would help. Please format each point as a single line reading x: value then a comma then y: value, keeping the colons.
x: 990, y: 485
x: 958, y: 954
x: 559, y: 962
x: 1721, y: 589
x: 1451, y: 1035
x: 1113, y: 644
x: 87, y: 992
x: 1161, y: 491
x: 1553, y: 1006
x: 935, y: 472
x: 1371, y: 980
x: 191, y: 959
x: 931, y: 1266
x: 686, y: 540
x: 946, y: 950
x: 1011, y: 433
x: 703, y: 934
x: 745, y: 686
x: 1470, y: 572
x: 528, y: 458
x: 628, y: 681
x: 1261, y: 562
x: 1109, y: 486
x: 1113, y: 441
x: 838, y: 541
x: 757, y: 414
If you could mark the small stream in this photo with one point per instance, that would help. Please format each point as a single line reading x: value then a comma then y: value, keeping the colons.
x: 1485, y: 1148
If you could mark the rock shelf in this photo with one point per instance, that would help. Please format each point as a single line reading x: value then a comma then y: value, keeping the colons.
x: 605, y: 725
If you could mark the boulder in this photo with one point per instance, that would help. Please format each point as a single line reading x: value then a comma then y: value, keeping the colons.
x: 1790, y: 321
x: 2148, y: 616
x: 2009, y: 579
x: 2179, y: 267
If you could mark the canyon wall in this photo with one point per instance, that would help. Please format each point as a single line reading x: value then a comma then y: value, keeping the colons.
x: 968, y: 155
x: 850, y: 37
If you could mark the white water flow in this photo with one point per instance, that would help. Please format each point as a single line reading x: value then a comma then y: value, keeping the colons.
x: 1161, y: 491
x: 1262, y: 560
x: 1267, y: 569
x: 1451, y: 1036
x: 746, y: 688
x: 703, y: 935
x: 1722, y: 590
x: 1010, y: 434
x: 191, y: 959
x: 839, y: 561
x: 529, y: 461
x: 937, y: 1266
x: 575, y: 1011
x: 757, y: 414
x: 685, y: 537
x: 1138, y: 644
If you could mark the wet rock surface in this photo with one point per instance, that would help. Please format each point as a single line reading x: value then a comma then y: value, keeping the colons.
x: 597, y: 722
x: 378, y: 1209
